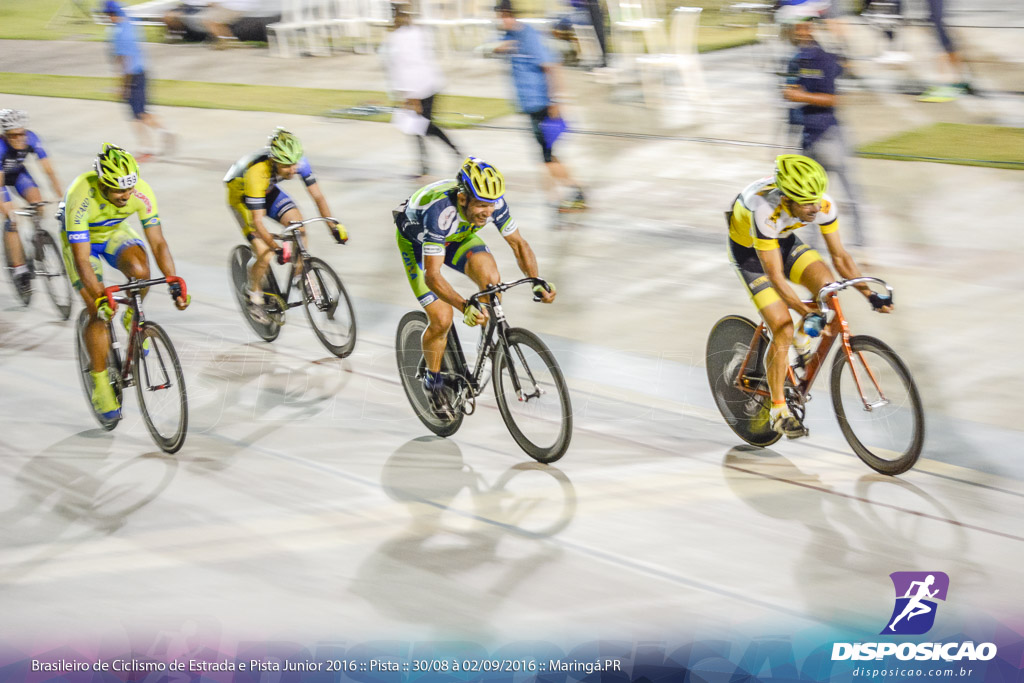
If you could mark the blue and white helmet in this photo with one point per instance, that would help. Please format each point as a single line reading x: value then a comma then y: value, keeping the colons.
x: 12, y: 119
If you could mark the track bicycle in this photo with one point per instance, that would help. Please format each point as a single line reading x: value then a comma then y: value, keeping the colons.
x: 320, y: 293
x: 531, y: 393
x: 45, y: 263
x: 873, y: 393
x: 155, y: 372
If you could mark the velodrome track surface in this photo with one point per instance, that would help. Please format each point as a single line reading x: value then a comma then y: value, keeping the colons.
x: 308, y: 502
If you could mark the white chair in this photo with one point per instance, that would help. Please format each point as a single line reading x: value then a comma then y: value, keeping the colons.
x: 634, y: 29
x: 678, y: 57
x: 295, y: 18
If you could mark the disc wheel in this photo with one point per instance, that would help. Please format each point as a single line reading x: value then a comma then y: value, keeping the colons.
x: 409, y: 353
x: 746, y: 412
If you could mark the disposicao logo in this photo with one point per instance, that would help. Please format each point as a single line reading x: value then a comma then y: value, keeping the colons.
x: 913, y: 615
x: 916, y: 593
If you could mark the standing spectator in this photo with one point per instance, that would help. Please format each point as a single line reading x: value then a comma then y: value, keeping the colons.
x: 127, y: 52
x: 415, y: 77
x: 957, y: 84
x: 537, y: 80
x: 811, y: 83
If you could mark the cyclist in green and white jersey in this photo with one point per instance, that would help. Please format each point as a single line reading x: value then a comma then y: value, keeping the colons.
x: 438, y: 225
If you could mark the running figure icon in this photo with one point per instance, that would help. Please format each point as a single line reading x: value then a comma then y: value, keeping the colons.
x: 917, y: 594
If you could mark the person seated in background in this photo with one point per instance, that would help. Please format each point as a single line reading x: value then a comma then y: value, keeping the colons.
x: 174, y: 19
x: 218, y: 17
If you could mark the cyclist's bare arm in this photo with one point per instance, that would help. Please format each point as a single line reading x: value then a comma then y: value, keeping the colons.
x: 438, y: 285
x: 52, y: 174
x: 526, y: 259
x: 845, y: 265
x: 771, y: 261
x: 162, y: 256
x: 321, y: 201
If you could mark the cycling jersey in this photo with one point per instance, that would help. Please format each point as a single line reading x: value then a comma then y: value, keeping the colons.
x: 758, y: 219
x: 432, y: 218
x: 86, y: 216
x: 14, y: 159
x: 251, y: 179
x: 89, y: 217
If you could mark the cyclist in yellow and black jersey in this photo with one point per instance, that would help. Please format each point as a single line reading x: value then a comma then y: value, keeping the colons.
x: 253, y: 194
x: 766, y: 252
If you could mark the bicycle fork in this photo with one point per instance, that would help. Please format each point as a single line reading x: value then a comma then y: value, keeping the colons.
x: 502, y: 325
x: 848, y: 350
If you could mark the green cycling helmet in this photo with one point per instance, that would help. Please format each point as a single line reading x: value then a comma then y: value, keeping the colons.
x: 800, y: 178
x: 116, y: 168
x: 284, y: 147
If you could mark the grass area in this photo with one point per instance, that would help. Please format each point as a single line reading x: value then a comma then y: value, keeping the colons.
x: 452, y: 110
x: 954, y: 143
x: 56, y: 20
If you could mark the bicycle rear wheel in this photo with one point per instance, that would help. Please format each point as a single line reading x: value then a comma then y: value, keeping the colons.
x: 85, y: 371
x: 49, y: 265
x: 539, y: 416
x: 160, y: 386
x: 746, y: 413
x: 409, y: 352
x: 328, y: 308
x: 238, y: 266
x: 888, y: 433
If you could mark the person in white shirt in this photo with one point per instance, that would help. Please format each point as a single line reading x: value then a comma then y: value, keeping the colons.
x: 415, y: 77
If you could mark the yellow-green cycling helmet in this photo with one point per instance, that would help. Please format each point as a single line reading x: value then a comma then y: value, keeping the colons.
x: 800, y: 178
x: 284, y: 147
x: 116, y: 168
x: 480, y: 180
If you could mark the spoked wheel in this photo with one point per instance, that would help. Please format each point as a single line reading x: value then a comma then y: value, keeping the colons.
x: 532, y: 396
x: 238, y: 264
x: 747, y: 413
x: 23, y: 297
x: 160, y: 386
x: 409, y: 351
x: 49, y: 266
x: 887, y: 432
x: 328, y: 308
x: 85, y: 371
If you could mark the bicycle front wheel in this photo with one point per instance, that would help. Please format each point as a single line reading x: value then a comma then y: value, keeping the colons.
x: 878, y: 406
x: 409, y: 352
x: 85, y: 371
x: 238, y: 266
x: 746, y: 412
x: 50, y: 267
x: 328, y: 308
x: 532, y: 396
x: 160, y: 386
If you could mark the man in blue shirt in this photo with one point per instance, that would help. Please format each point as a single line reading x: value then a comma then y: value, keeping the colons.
x: 536, y: 78
x: 127, y: 53
x: 811, y: 83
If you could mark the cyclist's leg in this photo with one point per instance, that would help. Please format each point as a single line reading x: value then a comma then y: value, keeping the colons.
x: 96, y: 338
x: 260, y: 249
x: 473, y: 258
x: 12, y: 240
x: 439, y: 314
x: 290, y: 215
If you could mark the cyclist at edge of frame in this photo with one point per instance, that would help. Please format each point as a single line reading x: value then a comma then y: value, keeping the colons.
x: 765, y: 251
x: 438, y: 226
x: 92, y: 219
x: 16, y: 144
x: 253, y: 194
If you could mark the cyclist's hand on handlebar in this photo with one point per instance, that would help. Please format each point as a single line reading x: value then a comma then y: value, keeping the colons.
x: 104, y: 311
x: 339, y: 233
x: 181, y: 302
x: 474, y: 314
x: 881, y: 304
x: 544, y: 295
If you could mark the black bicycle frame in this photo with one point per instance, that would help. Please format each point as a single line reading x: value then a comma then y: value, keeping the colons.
x: 132, y: 298
x: 291, y: 234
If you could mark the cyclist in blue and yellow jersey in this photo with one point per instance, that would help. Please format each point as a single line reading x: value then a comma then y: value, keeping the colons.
x: 253, y: 194
x: 16, y: 144
x: 92, y: 217
x: 438, y: 226
x: 765, y: 251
